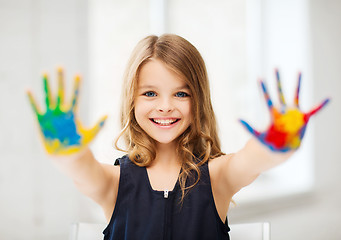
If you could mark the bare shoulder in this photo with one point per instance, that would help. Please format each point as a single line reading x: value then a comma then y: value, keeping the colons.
x: 221, y: 189
x: 109, y: 198
x: 218, y: 165
x: 112, y: 170
x: 112, y: 173
x: 219, y: 168
x: 230, y: 173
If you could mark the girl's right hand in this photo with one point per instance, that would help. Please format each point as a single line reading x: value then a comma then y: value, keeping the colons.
x: 61, y: 131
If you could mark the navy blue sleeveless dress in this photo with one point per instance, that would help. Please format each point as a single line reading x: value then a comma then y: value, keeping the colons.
x: 142, y: 213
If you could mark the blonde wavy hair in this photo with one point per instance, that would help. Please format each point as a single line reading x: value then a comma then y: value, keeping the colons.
x: 197, y: 144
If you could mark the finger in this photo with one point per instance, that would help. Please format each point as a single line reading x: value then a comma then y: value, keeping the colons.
x: 60, y: 97
x: 48, y: 95
x: 266, y: 95
x: 91, y: 134
x: 316, y: 109
x: 33, y: 103
x: 75, y: 93
x: 296, y: 100
x: 279, y: 88
x: 249, y: 128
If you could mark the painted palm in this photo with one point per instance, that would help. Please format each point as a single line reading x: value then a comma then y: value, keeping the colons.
x: 61, y: 131
x: 288, y: 124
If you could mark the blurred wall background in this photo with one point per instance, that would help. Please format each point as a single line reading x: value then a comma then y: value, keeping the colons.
x: 38, y: 202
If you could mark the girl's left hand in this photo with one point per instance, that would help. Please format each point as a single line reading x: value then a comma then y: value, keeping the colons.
x: 288, y: 124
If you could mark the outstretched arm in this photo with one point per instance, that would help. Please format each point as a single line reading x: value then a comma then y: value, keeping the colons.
x: 66, y: 140
x: 275, y: 145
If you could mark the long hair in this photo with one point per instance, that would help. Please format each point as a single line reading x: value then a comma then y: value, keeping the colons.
x: 199, y: 142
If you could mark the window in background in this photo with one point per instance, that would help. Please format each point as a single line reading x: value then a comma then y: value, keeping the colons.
x: 278, y: 37
x: 240, y: 41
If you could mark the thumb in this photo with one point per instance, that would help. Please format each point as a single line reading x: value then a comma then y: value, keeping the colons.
x: 90, y: 134
x: 318, y: 108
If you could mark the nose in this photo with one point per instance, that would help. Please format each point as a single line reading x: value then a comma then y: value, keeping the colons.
x: 165, y: 105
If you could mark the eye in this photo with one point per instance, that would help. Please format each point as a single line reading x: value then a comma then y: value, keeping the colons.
x: 149, y: 94
x: 181, y: 94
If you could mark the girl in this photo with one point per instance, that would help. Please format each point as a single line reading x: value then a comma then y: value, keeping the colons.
x: 174, y: 182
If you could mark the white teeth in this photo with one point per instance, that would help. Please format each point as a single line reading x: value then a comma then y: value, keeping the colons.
x: 164, y: 122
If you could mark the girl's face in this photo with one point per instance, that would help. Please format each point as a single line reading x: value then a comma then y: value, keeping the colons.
x: 162, y: 103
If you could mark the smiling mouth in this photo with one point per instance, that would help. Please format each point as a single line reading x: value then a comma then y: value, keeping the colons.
x: 165, y: 122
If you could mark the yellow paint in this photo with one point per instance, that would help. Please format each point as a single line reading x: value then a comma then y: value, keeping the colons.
x: 291, y: 121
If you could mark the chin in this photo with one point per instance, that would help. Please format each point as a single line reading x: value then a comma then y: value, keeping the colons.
x: 165, y: 141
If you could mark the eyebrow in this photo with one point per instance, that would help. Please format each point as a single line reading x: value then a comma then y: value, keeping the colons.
x: 152, y: 86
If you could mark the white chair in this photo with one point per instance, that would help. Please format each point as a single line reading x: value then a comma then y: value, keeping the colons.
x: 87, y: 231
x: 243, y: 231
x: 250, y: 231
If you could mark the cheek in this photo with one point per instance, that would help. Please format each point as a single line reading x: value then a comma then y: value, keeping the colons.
x: 137, y: 110
x: 141, y: 109
x: 187, y: 111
